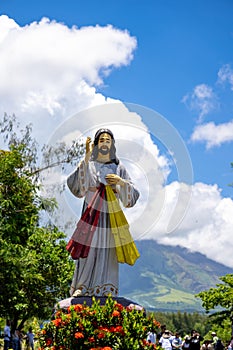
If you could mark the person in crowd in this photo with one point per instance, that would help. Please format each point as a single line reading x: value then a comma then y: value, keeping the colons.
x: 162, y: 330
x: 214, y: 338
x: 21, y: 337
x: 165, y: 341
x: 219, y: 345
x: 30, y: 337
x: 7, y: 335
x: 16, y: 340
x: 186, y: 342
x: 195, y: 340
x: 176, y: 342
x: 230, y: 344
x: 207, y: 345
x: 151, y: 337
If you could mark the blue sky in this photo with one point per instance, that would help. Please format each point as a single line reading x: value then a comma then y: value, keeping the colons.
x: 180, y: 66
x: 181, y: 44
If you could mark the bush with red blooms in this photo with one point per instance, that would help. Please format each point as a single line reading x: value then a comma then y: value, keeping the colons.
x: 96, y: 327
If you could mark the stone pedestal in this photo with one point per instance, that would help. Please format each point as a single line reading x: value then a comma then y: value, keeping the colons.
x: 64, y: 304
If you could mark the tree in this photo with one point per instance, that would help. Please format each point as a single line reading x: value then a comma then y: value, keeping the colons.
x: 184, y: 322
x: 220, y: 297
x: 36, y: 269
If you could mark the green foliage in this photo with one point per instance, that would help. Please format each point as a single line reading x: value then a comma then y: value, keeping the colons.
x: 223, y: 332
x: 18, y: 212
x: 221, y: 298
x: 35, y: 267
x: 50, y: 155
x: 184, y: 322
x: 98, y: 327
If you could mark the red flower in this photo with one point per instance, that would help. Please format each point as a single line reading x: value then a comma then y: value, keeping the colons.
x: 119, y: 306
x: 92, y: 312
x: 119, y: 329
x: 58, y: 314
x: 156, y: 323
x: 48, y: 341
x: 78, y: 307
x: 105, y: 329
x: 79, y: 335
x: 116, y: 313
x: 101, y: 335
x: 106, y: 348
x: 91, y: 339
x: 57, y: 322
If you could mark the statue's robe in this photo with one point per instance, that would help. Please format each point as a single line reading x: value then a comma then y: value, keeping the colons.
x: 96, y: 241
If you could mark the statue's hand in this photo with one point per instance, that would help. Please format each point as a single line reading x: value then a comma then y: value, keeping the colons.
x: 89, y: 148
x: 113, y: 179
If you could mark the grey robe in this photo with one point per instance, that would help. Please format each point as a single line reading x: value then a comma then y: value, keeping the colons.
x: 98, y: 273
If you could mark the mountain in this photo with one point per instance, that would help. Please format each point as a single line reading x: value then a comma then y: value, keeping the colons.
x: 166, y: 278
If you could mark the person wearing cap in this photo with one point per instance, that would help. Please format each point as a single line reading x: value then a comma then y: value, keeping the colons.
x: 101, y: 239
x: 165, y: 340
x: 214, y: 338
x: 163, y: 327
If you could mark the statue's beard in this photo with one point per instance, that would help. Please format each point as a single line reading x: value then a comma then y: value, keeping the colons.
x: 104, y: 151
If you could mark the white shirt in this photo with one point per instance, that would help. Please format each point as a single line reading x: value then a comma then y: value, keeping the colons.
x: 165, y: 343
x: 152, y: 337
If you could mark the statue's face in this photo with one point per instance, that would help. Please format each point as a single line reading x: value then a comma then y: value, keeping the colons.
x: 104, y: 143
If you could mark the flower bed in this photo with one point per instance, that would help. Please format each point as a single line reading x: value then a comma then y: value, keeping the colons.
x: 107, y: 327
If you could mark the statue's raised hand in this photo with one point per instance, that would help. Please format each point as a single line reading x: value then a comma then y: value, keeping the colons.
x: 89, y: 148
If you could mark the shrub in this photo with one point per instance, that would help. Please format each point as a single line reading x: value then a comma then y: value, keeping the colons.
x: 107, y: 327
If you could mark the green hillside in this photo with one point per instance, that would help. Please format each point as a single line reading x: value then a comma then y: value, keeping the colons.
x: 167, y: 278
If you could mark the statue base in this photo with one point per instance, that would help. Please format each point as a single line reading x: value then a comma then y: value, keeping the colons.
x: 88, y: 300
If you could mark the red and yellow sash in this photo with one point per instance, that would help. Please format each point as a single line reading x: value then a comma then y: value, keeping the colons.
x: 80, y: 242
x: 126, y: 249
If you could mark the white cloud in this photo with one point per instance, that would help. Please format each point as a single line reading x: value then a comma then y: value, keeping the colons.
x: 225, y: 75
x: 49, y: 71
x: 6, y: 24
x: 207, y: 225
x: 213, y: 135
x: 202, y: 99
